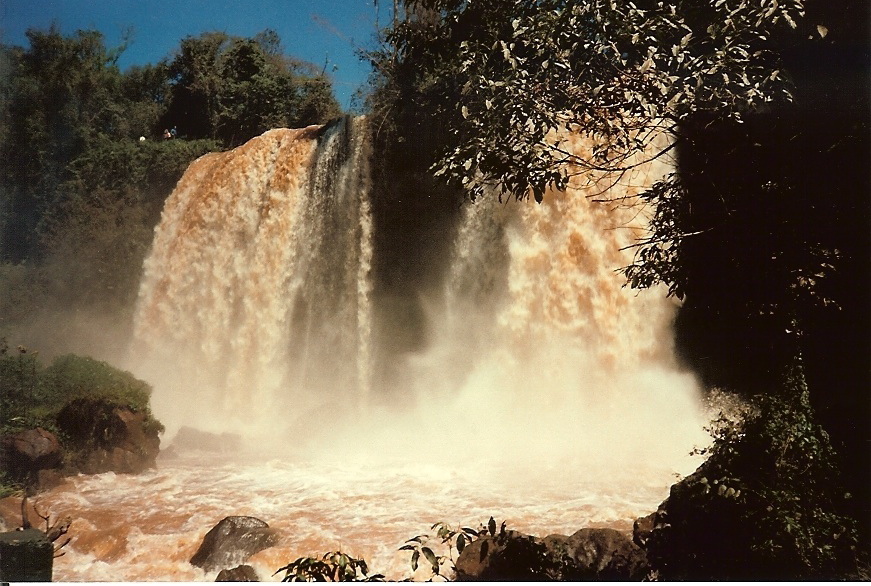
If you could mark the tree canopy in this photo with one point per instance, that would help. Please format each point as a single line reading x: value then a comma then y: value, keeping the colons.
x: 619, y: 71
x: 232, y: 89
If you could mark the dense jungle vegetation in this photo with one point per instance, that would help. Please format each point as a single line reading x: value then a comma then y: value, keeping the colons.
x: 81, y: 192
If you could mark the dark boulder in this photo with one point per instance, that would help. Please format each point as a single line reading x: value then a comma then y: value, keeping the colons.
x: 642, y: 528
x: 242, y: 573
x: 506, y: 557
x: 232, y: 542
x: 587, y: 555
x: 25, y: 556
x: 25, y: 454
x: 108, y: 438
x: 599, y: 554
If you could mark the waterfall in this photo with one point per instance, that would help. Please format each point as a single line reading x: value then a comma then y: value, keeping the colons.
x: 380, y: 390
x: 256, y: 312
x: 254, y: 304
x: 539, y: 353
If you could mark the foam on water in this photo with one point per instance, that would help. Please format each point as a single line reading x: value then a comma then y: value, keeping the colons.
x: 146, y: 528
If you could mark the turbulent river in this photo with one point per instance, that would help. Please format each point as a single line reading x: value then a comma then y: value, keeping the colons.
x: 146, y: 528
x: 538, y: 390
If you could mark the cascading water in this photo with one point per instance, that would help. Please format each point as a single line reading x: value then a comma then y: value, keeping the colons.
x: 256, y: 290
x: 538, y: 343
x: 545, y: 394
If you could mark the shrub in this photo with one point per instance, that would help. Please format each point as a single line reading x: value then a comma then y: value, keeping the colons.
x: 765, y: 505
x: 333, y: 566
x: 72, y: 377
x: 20, y: 387
x: 33, y: 396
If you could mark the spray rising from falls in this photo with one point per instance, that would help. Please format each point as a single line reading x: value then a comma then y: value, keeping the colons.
x: 541, y: 349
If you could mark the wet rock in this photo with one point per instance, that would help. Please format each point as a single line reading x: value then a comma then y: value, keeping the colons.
x: 642, y: 528
x: 232, y: 542
x: 603, y: 555
x: 25, y: 556
x: 109, y: 438
x: 507, y: 557
x: 49, y: 478
x: 25, y: 454
x: 587, y: 555
x: 189, y: 438
x: 243, y: 573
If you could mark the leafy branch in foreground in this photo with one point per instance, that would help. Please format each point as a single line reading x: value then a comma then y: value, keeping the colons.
x: 442, y: 566
x: 333, y: 566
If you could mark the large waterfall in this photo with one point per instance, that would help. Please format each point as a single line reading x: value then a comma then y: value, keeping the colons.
x: 255, y: 298
x: 256, y: 313
x: 516, y: 377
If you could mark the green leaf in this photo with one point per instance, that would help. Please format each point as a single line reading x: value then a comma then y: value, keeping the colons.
x: 461, y: 543
x: 414, y: 559
x: 431, y: 558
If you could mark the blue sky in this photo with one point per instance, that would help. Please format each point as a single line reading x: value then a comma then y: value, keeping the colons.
x: 314, y: 30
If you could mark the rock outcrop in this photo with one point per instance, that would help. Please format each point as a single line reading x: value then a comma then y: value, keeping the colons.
x: 105, y: 437
x: 242, y: 573
x: 642, y: 528
x: 27, y: 456
x: 189, y: 438
x: 586, y: 555
x: 232, y: 542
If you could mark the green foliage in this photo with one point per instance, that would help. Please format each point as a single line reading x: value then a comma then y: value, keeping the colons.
x: 336, y: 566
x: 20, y: 387
x: 333, y: 566
x: 8, y: 487
x: 33, y: 396
x: 429, y: 548
x: 70, y: 377
x: 232, y: 89
x: 61, y: 92
x: 510, y: 73
x: 767, y: 503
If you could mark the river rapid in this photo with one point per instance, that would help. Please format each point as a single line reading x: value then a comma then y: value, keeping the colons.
x: 147, y: 527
